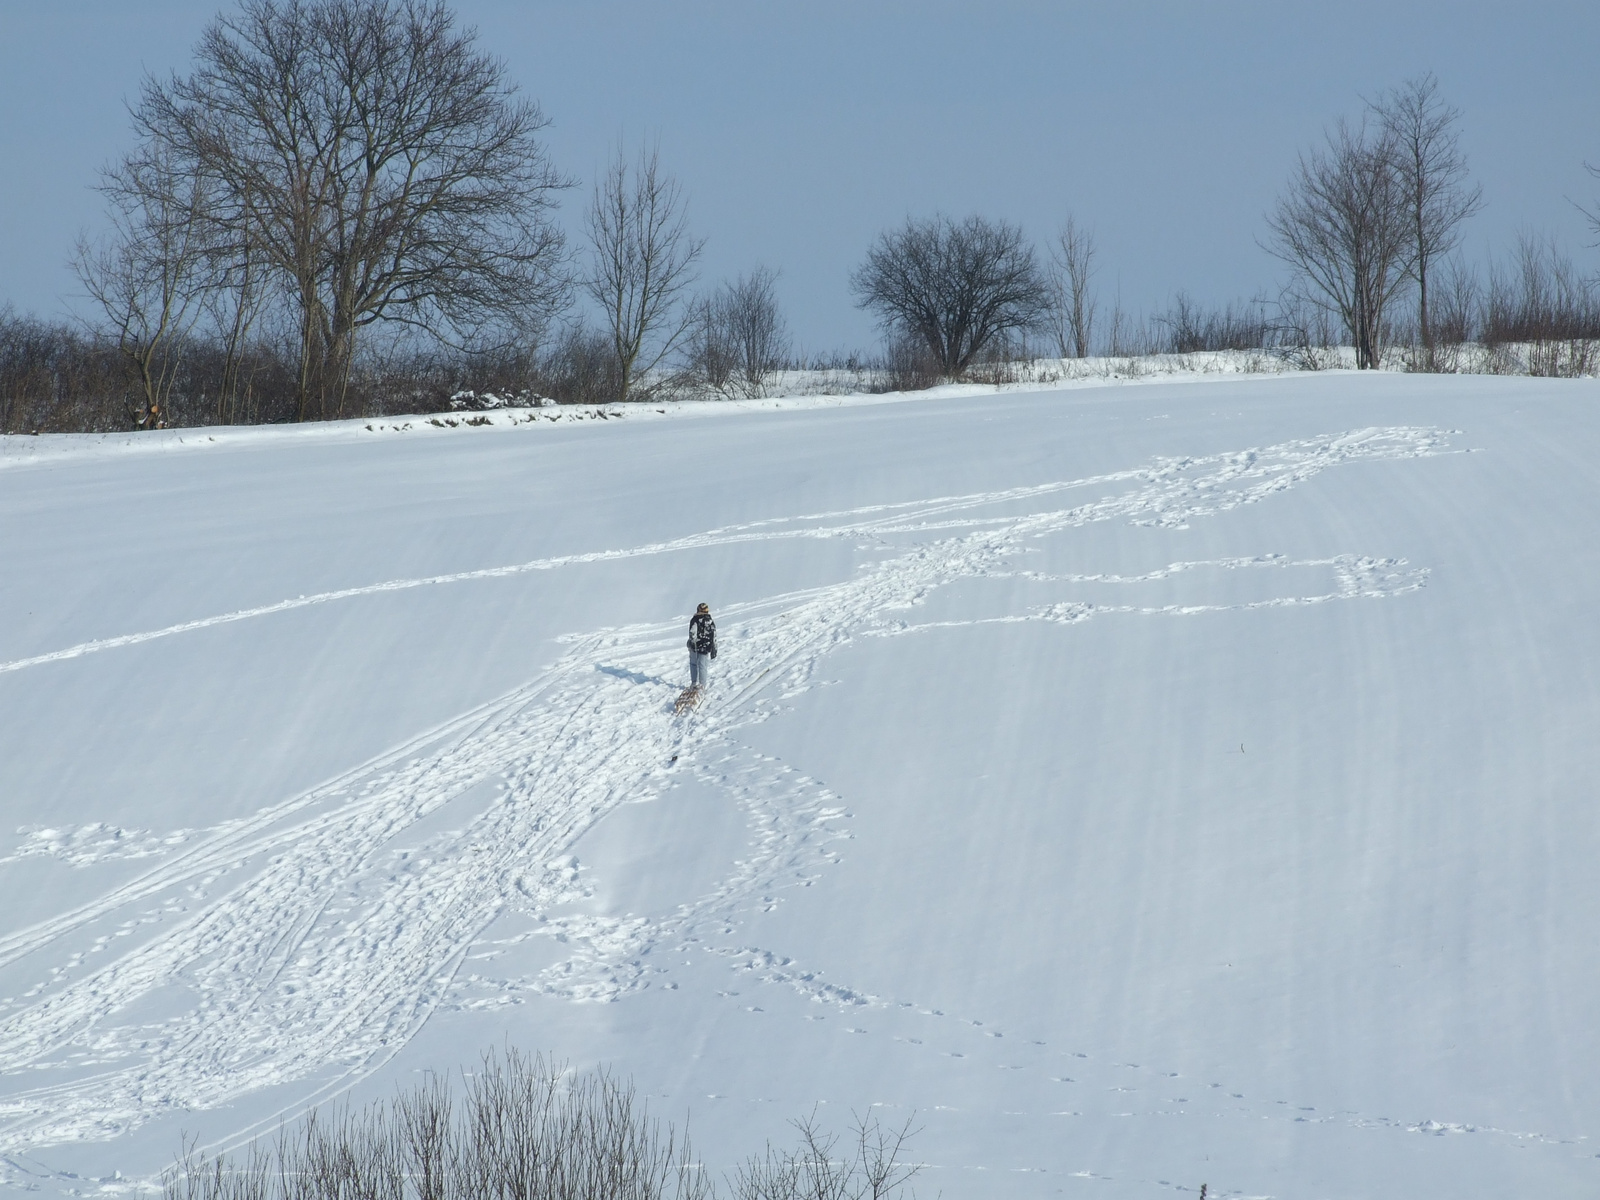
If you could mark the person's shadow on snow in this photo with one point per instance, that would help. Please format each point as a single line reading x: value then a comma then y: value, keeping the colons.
x: 634, y: 676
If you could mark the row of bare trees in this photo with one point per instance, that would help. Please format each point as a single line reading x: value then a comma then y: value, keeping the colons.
x: 345, y: 206
x: 1369, y: 219
x: 336, y: 182
x: 1376, y: 215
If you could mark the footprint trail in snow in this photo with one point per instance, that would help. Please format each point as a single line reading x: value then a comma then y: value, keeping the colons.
x: 310, y: 942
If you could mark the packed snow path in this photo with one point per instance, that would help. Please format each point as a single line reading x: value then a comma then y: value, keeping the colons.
x: 298, y: 950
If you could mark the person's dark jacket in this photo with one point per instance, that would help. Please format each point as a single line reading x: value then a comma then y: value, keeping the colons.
x: 703, y: 634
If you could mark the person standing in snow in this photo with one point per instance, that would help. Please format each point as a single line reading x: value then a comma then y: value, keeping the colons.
x: 702, y: 647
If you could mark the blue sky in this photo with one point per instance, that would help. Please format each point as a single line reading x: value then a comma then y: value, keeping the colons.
x: 799, y: 131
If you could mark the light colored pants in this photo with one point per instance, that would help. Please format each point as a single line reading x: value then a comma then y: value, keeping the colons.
x: 699, y: 670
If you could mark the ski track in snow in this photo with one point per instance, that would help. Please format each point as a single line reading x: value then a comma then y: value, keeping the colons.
x: 313, y: 940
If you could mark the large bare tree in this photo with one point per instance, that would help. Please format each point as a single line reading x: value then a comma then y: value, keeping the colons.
x: 643, y: 263
x: 1433, y: 181
x: 1342, y: 227
x: 954, y: 286
x: 382, y: 162
x: 1072, y: 304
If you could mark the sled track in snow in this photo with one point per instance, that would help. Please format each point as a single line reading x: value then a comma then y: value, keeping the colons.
x: 314, y: 947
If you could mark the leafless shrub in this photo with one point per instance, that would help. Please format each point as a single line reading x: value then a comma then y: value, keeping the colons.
x: 1014, y: 358
x: 57, y: 379
x: 1542, y: 317
x: 1129, y: 336
x: 954, y: 286
x: 760, y: 336
x: 523, y: 1129
x: 1192, y: 329
x: 1457, y: 301
x: 1341, y: 228
x: 997, y: 371
x: 1455, y: 316
x: 580, y: 367
x: 643, y: 263
x: 1306, y: 337
x: 249, y: 380
x: 1072, y: 305
x: 835, y: 373
x: 907, y: 366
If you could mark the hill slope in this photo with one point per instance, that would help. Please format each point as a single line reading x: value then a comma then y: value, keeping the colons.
x: 1143, y: 786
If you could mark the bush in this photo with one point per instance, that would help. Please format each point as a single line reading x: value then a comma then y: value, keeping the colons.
x: 54, y: 379
x: 1192, y: 329
x: 57, y: 379
x: 528, y: 1130
x: 909, y: 366
x: 1542, y: 318
x: 581, y: 368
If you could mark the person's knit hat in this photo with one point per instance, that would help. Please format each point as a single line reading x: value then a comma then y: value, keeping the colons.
x: 702, y: 608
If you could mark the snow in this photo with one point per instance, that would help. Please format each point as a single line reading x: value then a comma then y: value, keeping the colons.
x: 1141, y: 786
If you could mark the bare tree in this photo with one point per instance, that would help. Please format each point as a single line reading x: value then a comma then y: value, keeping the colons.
x: 1342, y: 227
x: 149, y: 276
x: 240, y: 288
x: 868, y: 1167
x: 644, y: 260
x: 739, y: 337
x: 708, y: 345
x: 1433, y: 182
x: 760, y: 335
x: 1593, y: 214
x: 383, y: 163
x: 955, y: 286
x: 1072, y: 305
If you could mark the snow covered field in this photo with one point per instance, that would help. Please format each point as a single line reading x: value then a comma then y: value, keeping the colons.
x: 1145, y: 786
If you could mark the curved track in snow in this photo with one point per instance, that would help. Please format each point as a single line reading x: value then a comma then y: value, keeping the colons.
x: 306, y: 948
